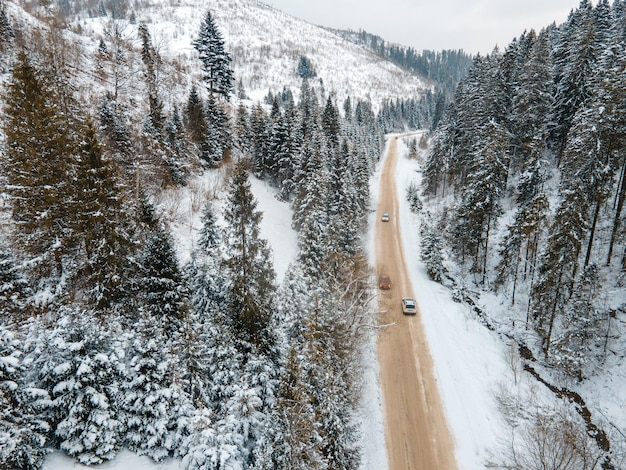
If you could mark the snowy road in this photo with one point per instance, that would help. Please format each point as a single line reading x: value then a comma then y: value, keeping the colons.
x: 417, y: 435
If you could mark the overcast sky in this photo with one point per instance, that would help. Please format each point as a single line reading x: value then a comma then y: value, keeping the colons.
x: 472, y: 25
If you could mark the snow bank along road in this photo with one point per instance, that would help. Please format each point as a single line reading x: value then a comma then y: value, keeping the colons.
x: 416, y: 433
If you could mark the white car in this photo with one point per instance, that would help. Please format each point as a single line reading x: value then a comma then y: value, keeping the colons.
x: 385, y: 217
x: 408, y: 306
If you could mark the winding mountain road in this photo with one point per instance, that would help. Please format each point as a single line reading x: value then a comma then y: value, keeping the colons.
x: 416, y: 432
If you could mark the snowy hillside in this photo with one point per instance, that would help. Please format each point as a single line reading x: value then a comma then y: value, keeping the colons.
x: 266, y: 45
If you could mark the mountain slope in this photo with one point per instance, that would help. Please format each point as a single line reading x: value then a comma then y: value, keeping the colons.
x: 266, y: 46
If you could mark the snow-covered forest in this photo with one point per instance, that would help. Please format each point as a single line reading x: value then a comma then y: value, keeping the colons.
x: 525, y: 190
x: 110, y: 337
x: 139, y: 306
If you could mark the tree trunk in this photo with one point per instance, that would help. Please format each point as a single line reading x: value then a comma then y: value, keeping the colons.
x: 618, y: 214
x: 592, y: 233
x: 486, y: 247
x: 517, y: 260
x: 547, y: 340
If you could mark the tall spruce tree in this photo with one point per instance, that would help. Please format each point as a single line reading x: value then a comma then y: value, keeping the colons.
x: 216, y: 62
x: 151, y: 60
x: 39, y: 168
x: 248, y: 264
x: 104, y: 226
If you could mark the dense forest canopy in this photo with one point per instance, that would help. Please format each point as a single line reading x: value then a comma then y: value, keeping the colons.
x: 530, y: 159
x: 107, y: 340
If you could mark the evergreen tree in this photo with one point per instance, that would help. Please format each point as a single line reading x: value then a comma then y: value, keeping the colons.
x: 284, y: 152
x: 480, y: 206
x: 310, y: 216
x: 342, y: 236
x: 216, y: 62
x: 575, y: 57
x: 532, y: 102
x: 23, y: 433
x: 559, y: 265
x: 197, y: 124
x: 151, y: 61
x: 305, y: 68
x: 575, y: 350
x: 294, y: 440
x: 114, y: 131
x: 243, y: 135
x: 14, y: 289
x: 431, y: 245
x: 39, y: 168
x: 248, y: 264
x: 6, y: 30
x: 260, y: 138
x: 218, y: 137
x: 82, y: 374
x: 165, y: 296
x: 154, y: 406
x: 104, y: 226
x: 330, y: 123
x: 177, y: 150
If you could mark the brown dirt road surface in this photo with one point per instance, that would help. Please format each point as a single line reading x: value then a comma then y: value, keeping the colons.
x: 416, y: 433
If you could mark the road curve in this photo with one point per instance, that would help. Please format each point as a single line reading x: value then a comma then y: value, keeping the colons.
x: 416, y: 432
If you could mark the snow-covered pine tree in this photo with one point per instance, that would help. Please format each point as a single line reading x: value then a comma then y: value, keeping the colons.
x: 259, y: 143
x: 481, y: 205
x: 177, y: 149
x: 113, y: 130
x: 292, y: 439
x: 559, y: 264
x: 344, y: 222
x: 575, y: 57
x: 154, y: 406
x: 330, y: 349
x: 82, y: 373
x: 197, y: 125
x: 216, y: 62
x: 305, y: 68
x: 14, y: 289
x: 6, y: 30
x: 310, y: 217
x: 431, y: 245
x: 164, y: 292
x: 39, y: 169
x: 532, y: 102
x: 23, y: 433
x: 330, y: 123
x: 285, y: 148
x: 151, y: 61
x: 242, y: 135
x: 576, y: 348
x: 218, y: 137
x: 248, y: 265
x: 104, y: 225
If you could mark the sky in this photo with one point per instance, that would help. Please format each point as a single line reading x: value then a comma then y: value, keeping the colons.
x: 471, y: 25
